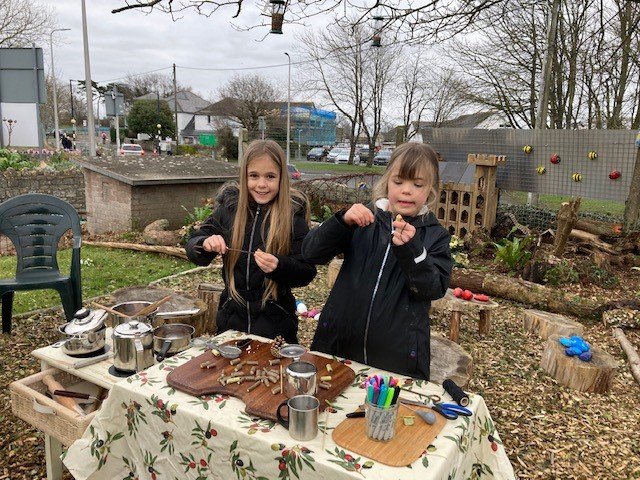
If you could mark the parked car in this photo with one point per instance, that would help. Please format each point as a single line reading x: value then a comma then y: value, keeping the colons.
x: 317, y: 154
x: 131, y: 149
x: 341, y: 155
x: 364, y: 154
x: 294, y: 172
x: 382, y: 157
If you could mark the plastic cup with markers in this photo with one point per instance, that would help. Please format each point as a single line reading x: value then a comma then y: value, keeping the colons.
x: 381, y: 407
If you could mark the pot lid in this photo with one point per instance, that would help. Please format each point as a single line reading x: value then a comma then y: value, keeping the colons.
x: 132, y: 328
x: 86, y: 320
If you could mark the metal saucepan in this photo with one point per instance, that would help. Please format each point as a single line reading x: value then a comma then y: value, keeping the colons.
x: 171, y: 338
x: 154, y: 318
x: 82, y: 343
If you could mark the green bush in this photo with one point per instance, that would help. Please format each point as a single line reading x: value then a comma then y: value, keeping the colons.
x: 562, y: 273
x: 322, y: 213
x: 60, y: 161
x: 9, y: 159
x: 514, y: 253
x: 187, y: 150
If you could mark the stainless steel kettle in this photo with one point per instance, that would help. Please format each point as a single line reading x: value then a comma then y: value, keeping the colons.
x: 133, y: 346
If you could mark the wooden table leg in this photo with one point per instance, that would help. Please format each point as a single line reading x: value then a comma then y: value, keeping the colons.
x: 53, y: 450
x: 454, y: 327
x: 484, y: 324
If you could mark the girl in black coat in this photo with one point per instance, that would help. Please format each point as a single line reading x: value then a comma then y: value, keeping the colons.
x: 265, y: 217
x: 396, y: 260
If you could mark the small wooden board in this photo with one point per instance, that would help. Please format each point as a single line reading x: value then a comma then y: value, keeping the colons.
x: 196, y: 381
x: 403, y: 449
x: 450, y: 301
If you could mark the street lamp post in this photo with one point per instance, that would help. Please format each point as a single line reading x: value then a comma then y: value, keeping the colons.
x: 55, y: 94
x: 288, y: 110
x: 87, y: 74
x: 159, y: 127
x: 73, y: 124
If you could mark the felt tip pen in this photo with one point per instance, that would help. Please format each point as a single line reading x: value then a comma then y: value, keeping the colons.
x: 383, y: 395
x: 396, y: 394
x: 390, y: 394
x: 370, y: 394
x: 376, y: 394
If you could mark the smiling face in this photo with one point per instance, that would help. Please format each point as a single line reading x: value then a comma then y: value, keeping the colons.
x: 263, y: 179
x: 407, y: 196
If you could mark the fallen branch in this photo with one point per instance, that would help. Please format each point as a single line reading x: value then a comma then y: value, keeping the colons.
x: 186, y: 272
x: 630, y: 351
x: 593, y: 241
x: 598, y: 228
x: 173, y: 251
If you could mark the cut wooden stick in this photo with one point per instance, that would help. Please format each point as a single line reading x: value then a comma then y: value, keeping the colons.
x: 630, y: 351
x: 110, y: 310
x: 150, y: 308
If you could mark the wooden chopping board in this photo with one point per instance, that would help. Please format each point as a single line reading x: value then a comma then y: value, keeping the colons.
x: 196, y: 381
x: 403, y: 449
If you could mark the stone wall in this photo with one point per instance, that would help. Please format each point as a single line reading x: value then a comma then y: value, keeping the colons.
x: 108, y: 203
x: 67, y: 185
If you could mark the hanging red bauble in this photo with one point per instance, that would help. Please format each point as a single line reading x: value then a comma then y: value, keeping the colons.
x: 615, y: 174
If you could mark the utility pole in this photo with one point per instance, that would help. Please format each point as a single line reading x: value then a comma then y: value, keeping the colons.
x: 175, y: 106
x: 88, y: 85
x: 55, y: 87
x: 73, y: 113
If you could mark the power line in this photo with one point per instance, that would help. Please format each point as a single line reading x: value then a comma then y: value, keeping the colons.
x: 134, y: 75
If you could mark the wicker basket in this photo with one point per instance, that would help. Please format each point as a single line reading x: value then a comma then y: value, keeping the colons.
x: 60, y: 422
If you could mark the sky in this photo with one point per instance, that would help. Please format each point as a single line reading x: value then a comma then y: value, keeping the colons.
x: 134, y: 42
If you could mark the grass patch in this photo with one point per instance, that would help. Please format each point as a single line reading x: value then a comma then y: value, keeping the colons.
x: 339, y: 168
x: 552, y: 202
x: 103, y: 271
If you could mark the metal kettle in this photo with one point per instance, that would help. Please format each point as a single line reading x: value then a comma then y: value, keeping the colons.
x: 133, y: 346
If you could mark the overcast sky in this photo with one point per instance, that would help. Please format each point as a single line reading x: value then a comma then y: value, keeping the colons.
x: 134, y: 42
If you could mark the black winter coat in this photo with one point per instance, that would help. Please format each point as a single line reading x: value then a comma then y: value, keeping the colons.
x: 277, y: 317
x: 378, y: 310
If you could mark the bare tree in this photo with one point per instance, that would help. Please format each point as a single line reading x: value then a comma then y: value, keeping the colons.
x: 139, y: 85
x: 412, y: 89
x: 24, y: 22
x: 335, y: 71
x: 448, y: 99
x: 65, y: 98
x: 248, y: 97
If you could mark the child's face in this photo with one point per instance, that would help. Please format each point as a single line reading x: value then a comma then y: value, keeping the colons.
x: 406, y: 197
x: 263, y: 179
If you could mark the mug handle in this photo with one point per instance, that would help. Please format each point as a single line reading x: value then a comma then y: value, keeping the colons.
x: 282, y: 421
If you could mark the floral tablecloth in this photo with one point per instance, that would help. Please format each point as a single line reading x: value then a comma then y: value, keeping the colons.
x: 148, y: 430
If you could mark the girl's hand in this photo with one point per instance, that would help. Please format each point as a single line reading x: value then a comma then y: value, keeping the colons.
x: 215, y: 243
x: 267, y: 262
x: 403, y: 231
x: 358, y: 215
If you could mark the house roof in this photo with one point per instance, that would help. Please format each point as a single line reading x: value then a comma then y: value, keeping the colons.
x: 188, y: 102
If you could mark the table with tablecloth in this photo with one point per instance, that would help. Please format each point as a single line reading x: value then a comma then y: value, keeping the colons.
x: 147, y: 429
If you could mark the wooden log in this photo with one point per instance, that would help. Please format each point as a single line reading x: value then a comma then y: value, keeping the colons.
x: 546, y: 324
x: 173, y: 251
x: 334, y: 269
x: 594, y: 376
x: 484, y: 324
x: 449, y: 360
x: 554, y: 300
x: 598, y: 228
x: 593, y: 241
x: 630, y: 352
x: 567, y: 216
x: 454, y: 327
x: 210, y: 294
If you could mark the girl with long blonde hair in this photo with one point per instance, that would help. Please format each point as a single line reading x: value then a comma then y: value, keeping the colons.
x: 258, y: 227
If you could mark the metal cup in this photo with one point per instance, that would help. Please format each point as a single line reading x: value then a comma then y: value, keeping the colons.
x: 301, y: 379
x: 302, y: 417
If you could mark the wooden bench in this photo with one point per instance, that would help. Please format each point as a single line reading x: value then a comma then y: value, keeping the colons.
x: 459, y: 306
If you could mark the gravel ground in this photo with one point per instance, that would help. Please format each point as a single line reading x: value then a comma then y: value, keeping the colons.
x: 548, y: 430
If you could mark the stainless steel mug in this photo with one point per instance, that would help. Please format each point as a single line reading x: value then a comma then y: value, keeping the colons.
x: 302, y: 419
x: 300, y: 379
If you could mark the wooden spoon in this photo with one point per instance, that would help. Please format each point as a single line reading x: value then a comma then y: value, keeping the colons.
x: 150, y: 308
x: 110, y: 310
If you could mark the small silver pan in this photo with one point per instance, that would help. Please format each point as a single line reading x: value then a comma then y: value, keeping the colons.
x: 171, y: 338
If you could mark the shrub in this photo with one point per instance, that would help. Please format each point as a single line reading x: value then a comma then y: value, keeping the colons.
x: 60, y: 161
x: 561, y: 273
x: 195, y: 218
x: 187, y: 150
x: 322, y: 213
x: 513, y: 254
x: 9, y: 159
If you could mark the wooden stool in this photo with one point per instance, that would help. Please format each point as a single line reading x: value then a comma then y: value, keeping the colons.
x: 459, y: 306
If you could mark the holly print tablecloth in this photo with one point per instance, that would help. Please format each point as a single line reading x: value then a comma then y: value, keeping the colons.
x: 147, y: 430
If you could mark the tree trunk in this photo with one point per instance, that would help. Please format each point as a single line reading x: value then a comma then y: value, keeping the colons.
x: 597, y: 228
x: 541, y: 297
x: 632, y: 205
x: 567, y: 216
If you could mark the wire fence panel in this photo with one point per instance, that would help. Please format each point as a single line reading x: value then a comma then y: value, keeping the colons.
x: 575, y: 174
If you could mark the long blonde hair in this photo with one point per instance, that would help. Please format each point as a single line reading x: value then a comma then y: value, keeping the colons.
x: 278, y: 220
x: 409, y: 161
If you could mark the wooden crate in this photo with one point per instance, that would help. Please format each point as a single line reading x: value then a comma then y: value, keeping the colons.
x: 29, y: 402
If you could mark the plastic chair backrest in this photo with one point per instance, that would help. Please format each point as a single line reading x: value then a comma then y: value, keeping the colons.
x: 35, y: 223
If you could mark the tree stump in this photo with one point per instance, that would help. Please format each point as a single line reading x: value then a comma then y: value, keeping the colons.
x: 178, y: 302
x: 449, y: 360
x: 546, y: 324
x: 210, y: 294
x: 156, y: 233
x: 567, y: 216
x: 334, y: 269
x: 594, y: 376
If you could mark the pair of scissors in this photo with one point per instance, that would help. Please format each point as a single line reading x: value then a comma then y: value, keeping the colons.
x: 450, y: 411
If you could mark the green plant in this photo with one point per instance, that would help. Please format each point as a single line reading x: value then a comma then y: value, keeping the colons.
x: 601, y: 277
x: 195, y: 218
x: 9, y: 159
x: 514, y: 253
x: 324, y: 213
x: 60, y: 161
x: 187, y: 150
x: 561, y: 273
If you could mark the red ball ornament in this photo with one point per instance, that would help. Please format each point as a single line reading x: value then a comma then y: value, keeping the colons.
x: 615, y: 174
x: 555, y: 159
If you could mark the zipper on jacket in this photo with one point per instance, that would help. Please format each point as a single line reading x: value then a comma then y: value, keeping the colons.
x: 253, y: 231
x: 373, y: 297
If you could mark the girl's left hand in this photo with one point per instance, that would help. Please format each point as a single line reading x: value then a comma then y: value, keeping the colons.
x: 267, y: 262
x: 403, y: 232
